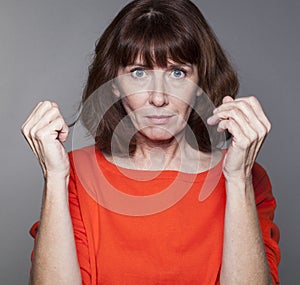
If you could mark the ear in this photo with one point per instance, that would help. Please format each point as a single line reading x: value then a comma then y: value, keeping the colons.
x: 115, y: 89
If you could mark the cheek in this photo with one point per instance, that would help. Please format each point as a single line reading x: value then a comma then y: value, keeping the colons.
x: 184, y: 108
x: 187, y: 113
x: 134, y: 102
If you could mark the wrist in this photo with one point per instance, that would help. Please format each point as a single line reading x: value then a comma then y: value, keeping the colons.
x: 241, y: 178
x: 240, y: 190
x: 239, y: 181
x: 57, y: 181
x: 57, y: 175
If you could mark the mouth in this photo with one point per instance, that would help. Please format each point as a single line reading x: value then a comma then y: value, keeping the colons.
x: 159, y: 120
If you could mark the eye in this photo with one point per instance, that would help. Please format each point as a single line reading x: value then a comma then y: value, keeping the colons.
x: 178, y: 73
x: 138, y: 73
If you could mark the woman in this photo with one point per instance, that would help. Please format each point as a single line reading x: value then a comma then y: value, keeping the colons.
x: 153, y: 131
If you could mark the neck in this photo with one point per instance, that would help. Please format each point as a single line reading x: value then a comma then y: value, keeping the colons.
x: 158, y: 155
x: 173, y: 154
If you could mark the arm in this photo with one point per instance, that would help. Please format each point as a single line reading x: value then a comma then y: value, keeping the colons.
x: 55, y: 260
x: 244, y: 259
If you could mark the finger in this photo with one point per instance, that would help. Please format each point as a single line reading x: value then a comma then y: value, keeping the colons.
x: 239, y: 138
x: 253, y: 128
x: 256, y: 106
x: 64, y: 132
x: 32, y: 145
x: 37, y: 114
x: 50, y: 132
x: 256, y: 119
x: 59, y: 124
x: 227, y: 99
x: 35, y: 125
x: 239, y: 129
x: 48, y: 116
x: 32, y: 120
x: 32, y: 114
x: 46, y: 140
x: 250, y: 106
x: 43, y: 114
x: 240, y: 122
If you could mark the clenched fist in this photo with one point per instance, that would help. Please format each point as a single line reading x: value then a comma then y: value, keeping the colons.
x: 45, y: 130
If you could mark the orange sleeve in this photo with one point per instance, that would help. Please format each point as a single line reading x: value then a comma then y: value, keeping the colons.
x: 34, y: 233
x: 79, y: 230
x: 266, y: 204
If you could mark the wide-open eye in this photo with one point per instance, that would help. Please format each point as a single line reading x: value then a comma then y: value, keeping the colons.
x: 178, y: 73
x: 138, y: 73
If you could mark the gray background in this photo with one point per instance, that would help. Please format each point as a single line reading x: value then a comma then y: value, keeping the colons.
x: 46, y: 47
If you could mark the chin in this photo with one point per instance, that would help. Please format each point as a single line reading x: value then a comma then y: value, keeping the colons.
x: 157, y: 135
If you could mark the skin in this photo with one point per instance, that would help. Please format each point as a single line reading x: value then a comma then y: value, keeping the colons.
x: 55, y: 259
x: 169, y: 92
x: 244, y: 260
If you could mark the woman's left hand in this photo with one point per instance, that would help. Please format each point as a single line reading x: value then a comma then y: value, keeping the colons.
x: 245, y: 120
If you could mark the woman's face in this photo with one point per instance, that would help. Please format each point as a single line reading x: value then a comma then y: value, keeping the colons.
x: 159, y: 100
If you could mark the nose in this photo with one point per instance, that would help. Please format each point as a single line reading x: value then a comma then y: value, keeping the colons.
x: 157, y: 94
x: 158, y: 99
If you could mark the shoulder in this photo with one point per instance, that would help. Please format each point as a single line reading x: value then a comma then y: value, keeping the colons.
x: 84, y: 162
x: 85, y: 151
x: 86, y: 155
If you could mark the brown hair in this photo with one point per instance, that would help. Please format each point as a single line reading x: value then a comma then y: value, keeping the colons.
x: 156, y: 30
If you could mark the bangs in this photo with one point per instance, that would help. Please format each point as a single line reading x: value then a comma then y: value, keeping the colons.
x: 155, y: 39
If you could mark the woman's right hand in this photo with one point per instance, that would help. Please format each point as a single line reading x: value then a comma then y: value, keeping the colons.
x: 45, y: 130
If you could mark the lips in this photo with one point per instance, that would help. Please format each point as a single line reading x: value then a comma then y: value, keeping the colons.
x: 159, y: 120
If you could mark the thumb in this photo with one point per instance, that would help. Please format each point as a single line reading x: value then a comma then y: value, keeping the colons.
x: 227, y: 99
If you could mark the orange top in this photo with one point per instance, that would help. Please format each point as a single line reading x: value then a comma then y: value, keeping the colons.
x: 179, y: 242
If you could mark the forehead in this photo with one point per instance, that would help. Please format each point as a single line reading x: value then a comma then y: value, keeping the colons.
x: 155, y: 58
x: 140, y: 60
